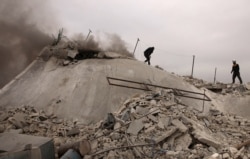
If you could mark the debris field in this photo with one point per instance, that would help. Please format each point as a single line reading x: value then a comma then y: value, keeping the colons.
x: 153, y: 124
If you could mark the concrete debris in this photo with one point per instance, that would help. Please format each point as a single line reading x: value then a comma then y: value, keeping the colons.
x: 140, y: 129
x: 69, y: 53
x: 222, y: 88
x: 135, y: 126
x: 25, y: 146
x: 72, y: 54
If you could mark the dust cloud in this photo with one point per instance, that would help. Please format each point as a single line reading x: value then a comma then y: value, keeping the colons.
x: 21, y: 36
x: 25, y: 25
x: 108, y: 42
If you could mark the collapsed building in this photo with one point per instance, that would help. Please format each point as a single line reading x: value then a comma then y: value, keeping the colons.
x: 96, y: 104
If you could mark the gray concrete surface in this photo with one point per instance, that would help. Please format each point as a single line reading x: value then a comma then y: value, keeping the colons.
x: 81, y: 90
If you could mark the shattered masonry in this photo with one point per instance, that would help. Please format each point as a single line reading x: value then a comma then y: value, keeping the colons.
x: 149, y: 125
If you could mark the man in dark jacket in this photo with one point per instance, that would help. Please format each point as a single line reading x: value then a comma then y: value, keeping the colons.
x: 236, y: 71
x: 147, y: 54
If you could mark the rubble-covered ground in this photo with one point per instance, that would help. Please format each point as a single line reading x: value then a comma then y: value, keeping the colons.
x: 222, y: 88
x: 149, y: 125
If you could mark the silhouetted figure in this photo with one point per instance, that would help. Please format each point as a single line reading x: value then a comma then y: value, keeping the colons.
x: 147, y: 54
x: 236, y: 71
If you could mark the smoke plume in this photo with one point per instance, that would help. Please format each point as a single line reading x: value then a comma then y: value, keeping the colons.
x: 24, y: 25
x: 105, y: 42
x: 21, y: 36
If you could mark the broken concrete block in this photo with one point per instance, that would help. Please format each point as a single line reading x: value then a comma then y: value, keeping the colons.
x: 14, y: 145
x: 172, y: 153
x: 232, y: 151
x: 66, y: 62
x: 150, y: 129
x: 206, y: 122
x: 18, y: 120
x: 239, y: 153
x: 42, y: 118
x: 214, y: 156
x: 160, y: 125
x: 117, y: 125
x: 147, y: 125
x: 57, y: 121
x: 226, y: 156
x: 153, y: 118
x: 135, y: 126
x: 212, y: 149
x: 72, y: 53
x: 179, y: 125
x: 183, y: 142
x: 166, y: 135
x: 115, y: 136
x: 112, y: 155
x: 155, y: 110
x: 94, y: 144
x: 141, y: 110
x: 153, y: 102
x: 73, y: 132
x: 207, y: 139
x: 165, y: 121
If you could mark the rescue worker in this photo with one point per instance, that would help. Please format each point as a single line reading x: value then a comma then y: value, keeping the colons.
x: 147, y: 54
x: 236, y: 71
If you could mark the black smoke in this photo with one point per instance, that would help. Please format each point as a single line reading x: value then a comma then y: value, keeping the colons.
x: 21, y: 38
x: 109, y: 42
x: 24, y: 25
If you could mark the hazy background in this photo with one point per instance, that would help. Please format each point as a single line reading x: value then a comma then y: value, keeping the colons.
x: 215, y: 31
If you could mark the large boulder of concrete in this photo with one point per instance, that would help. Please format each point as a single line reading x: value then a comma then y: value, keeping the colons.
x: 81, y: 90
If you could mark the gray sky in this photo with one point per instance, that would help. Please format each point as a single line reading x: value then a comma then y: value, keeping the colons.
x: 215, y: 31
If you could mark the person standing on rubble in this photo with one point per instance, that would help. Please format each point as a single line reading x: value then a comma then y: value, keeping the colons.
x: 236, y: 71
x: 147, y: 54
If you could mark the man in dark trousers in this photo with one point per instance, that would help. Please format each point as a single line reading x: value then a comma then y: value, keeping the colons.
x: 236, y: 71
x: 147, y: 54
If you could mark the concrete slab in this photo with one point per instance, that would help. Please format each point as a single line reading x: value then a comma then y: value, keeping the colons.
x: 15, y: 146
x: 83, y: 88
x: 179, y: 125
x: 135, y: 127
x: 206, y: 139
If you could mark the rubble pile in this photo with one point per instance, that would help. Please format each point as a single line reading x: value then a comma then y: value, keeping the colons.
x: 222, y: 88
x: 152, y: 125
x: 69, y: 53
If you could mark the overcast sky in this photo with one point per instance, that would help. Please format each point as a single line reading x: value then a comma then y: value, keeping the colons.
x: 215, y: 31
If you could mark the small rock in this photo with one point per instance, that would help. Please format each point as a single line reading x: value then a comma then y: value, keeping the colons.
x: 57, y: 141
x: 225, y: 156
x: 43, y: 118
x: 73, y: 132
x: 57, y: 121
x: 135, y: 127
x: 66, y: 62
